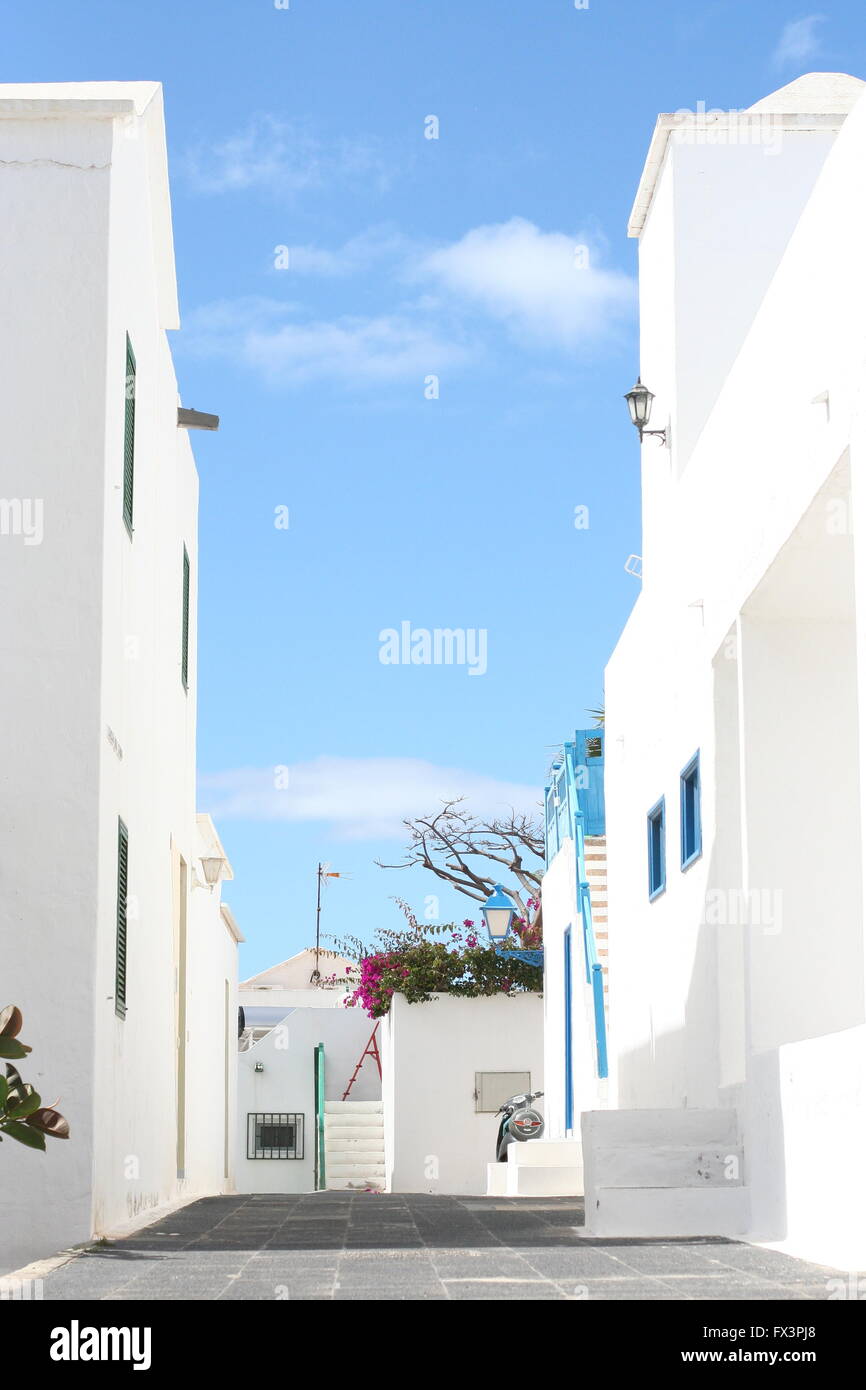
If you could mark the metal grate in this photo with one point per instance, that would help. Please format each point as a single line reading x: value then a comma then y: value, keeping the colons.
x: 275, y: 1134
x: 120, y: 940
x: 129, y: 438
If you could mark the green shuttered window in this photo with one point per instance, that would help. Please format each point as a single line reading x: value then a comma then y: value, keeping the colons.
x: 184, y: 641
x: 129, y: 437
x: 120, y: 940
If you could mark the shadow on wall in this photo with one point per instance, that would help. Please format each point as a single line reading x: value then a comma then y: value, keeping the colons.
x: 777, y: 976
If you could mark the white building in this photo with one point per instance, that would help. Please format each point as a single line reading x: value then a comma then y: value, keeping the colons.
x: 114, y: 942
x: 447, y: 1066
x: 300, y: 1053
x: 576, y: 990
x: 735, y: 697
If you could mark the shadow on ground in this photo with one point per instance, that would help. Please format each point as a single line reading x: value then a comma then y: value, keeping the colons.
x: 364, y: 1245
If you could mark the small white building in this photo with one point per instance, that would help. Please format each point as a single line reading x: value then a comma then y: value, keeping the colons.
x: 447, y: 1066
x: 300, y: 1052
x: 735, y: 697
x: 114, y: 940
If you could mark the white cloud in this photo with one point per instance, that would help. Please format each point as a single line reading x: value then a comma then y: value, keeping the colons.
x: 359, y: 253
x: 360, y: 798
x: 798, y: 41
x: 546, y: 287
x: 350, y: 349
x: 282, y: 157
x: 543, y: 284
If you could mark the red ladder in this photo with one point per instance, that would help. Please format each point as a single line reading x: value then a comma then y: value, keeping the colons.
x: 371, y: 1050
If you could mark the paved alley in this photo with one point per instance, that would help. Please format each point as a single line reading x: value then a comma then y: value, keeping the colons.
x: 359, y: 1245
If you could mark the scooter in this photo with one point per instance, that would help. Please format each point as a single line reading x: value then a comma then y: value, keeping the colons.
x: 519, y: 1122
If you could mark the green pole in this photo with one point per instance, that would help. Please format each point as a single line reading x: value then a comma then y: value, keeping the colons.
x: 321, y: 1176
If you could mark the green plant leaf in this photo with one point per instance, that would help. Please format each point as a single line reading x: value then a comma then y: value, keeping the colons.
x: 24, y: 1134
x: 26, y: 1106
x: 11, y: 1047
x: 4, y: 1091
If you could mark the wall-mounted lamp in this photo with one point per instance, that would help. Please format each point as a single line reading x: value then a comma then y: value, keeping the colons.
x: 196, y: 420
x: 212, y: 868
x: 640, y: 404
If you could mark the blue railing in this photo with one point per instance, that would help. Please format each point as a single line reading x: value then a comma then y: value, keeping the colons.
x: 573, y: 808
x: 577, y: 784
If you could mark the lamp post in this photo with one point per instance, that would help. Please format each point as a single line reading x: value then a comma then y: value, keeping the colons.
x: 640, y: 404
x: 499, y: 913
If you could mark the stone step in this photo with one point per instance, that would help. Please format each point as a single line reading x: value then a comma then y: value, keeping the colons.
x: 366, y: 1141
x: 673, y: 1128
x: 350, y: 1155
x: 522, y: 1181
x: 355, y: 1120
x: 354, y: 1170
x: 546, y: 1153
x: 369, y: 1134
x: 663, y: 1173
x: 353, y: 1107
x: 671, y: 1212
x: 356, y: 1184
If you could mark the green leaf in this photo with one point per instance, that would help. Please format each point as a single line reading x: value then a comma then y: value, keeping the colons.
x: 4, y: 1091
x: 24, y: 1134
x: 25, y: 1106
x: 11, y: 1047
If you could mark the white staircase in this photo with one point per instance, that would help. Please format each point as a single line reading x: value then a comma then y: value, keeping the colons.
x: 663, y: 1173
x: 354, y: 1144
x: 541, y: 1168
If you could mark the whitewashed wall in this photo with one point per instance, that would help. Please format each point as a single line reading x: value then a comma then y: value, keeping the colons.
x: 435, y: 1141
x: 98, y: 723
x: 52, y: 396
x: 745, y: 644
x: 559, y: 909
x: 286, y: 1084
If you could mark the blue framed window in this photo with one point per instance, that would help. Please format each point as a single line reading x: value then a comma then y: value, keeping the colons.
x: 655, y: 823
x: 690, y: 812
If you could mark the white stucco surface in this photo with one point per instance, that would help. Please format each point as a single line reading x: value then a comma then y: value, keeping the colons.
x: 99, y: 725
x: 742, y: 985
x: 286, y: 1085
x: 559, y: 897
x: 435, y: 1140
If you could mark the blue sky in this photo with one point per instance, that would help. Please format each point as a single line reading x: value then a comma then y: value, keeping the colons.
x: 493, y: 258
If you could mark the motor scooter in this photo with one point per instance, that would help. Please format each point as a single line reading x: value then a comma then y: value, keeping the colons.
x: 519, y: 1122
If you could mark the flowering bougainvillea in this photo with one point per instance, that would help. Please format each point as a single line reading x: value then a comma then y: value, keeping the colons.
x: 430, y: 959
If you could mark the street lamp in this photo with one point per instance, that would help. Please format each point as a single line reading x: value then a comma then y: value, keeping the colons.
x: 499, y: 913
x: 640, y: 404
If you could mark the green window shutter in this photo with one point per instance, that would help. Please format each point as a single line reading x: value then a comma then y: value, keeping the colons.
x: 120, y: 940
x: 184, y: 644
x: 129, y: 437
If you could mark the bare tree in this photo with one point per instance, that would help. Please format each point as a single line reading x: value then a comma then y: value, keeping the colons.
x: 461, y: 849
